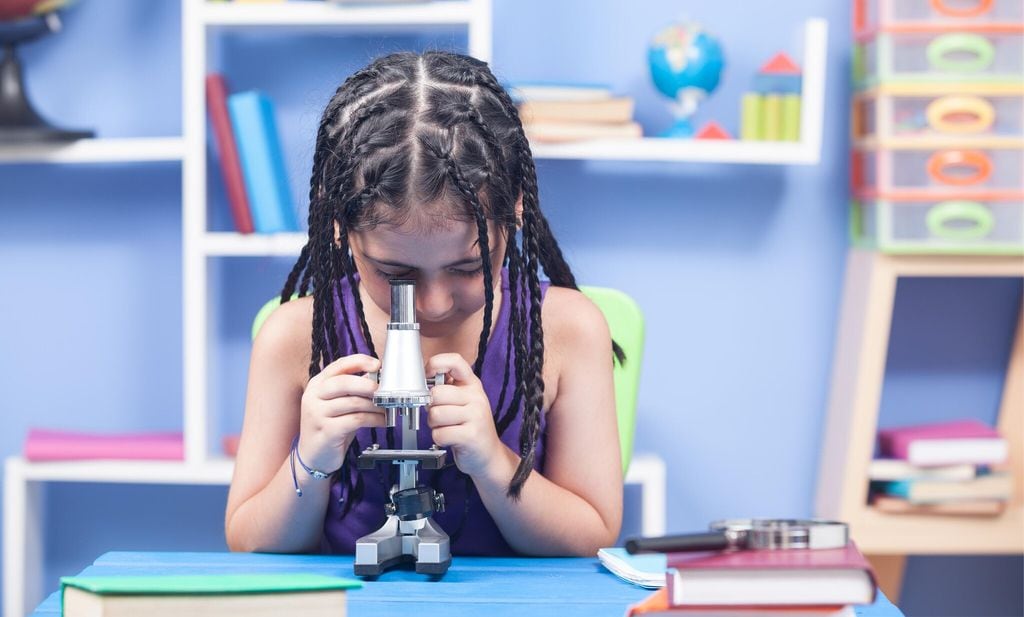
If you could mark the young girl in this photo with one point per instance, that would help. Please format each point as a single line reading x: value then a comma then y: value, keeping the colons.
x: 422, y: 171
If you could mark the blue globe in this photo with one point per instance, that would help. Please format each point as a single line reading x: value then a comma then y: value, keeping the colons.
x: 686, y: 65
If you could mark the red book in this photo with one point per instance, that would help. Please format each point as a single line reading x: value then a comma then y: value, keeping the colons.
x: 227, y: 150
x: 945, y: 443
x: 765, y: 578
x: 45, y: 445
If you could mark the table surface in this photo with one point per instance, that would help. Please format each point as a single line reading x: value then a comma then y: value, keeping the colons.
x: 495, y: 586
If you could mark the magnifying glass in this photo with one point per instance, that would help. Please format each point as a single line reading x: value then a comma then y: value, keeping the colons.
x: 750, y: 533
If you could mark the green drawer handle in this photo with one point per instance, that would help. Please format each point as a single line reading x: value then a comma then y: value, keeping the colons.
x: 980, y: 50
x: 940, y: 216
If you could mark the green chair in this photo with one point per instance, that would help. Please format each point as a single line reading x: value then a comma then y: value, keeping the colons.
x: 627, y: 327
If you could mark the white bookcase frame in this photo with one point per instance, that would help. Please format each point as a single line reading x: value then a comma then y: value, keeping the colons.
x: 24, y: 481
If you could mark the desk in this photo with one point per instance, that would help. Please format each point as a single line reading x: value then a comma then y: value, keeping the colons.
x: 496, y: 587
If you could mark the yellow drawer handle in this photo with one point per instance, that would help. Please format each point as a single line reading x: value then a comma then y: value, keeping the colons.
x: 960, y: 114
x: 978, y: 219
x: 941, y: 166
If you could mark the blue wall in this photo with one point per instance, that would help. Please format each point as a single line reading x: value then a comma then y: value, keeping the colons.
x: 740, y: 341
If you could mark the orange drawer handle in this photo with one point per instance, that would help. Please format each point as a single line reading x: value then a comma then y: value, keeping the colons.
x: 941, y: 164
x: 983, y: 6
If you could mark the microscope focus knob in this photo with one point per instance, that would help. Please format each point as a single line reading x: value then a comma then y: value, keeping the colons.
x: 439, y: 502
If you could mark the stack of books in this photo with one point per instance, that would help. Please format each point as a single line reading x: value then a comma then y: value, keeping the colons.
x: 251, y: 159
x: 556, y: 113
x: 749, y: 583
x: 947, y: 468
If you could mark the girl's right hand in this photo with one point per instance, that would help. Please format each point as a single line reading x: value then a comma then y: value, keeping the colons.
x: 335, y: 404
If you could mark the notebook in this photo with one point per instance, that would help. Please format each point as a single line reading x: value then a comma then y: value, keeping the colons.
x: 646, y: 570
x: 945, y: 443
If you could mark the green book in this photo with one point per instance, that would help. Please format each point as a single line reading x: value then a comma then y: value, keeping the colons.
x: 751, y: 114
x: 253, y: 595
x: 771, y: 118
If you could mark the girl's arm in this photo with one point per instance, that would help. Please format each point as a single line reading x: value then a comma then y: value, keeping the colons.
x: 575, y: 507
x: 264, y: 513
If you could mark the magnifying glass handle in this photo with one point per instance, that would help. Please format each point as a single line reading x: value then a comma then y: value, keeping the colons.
x: 708, y: 541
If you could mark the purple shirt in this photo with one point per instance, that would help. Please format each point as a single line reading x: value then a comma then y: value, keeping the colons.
x: 479, y: 535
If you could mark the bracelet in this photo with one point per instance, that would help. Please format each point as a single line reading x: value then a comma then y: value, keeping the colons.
x: 316, y: 473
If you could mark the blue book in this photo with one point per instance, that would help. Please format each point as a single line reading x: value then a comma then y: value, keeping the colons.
x: 259, y: 148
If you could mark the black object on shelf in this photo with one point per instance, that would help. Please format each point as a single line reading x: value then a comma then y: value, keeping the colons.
x: 19, y: 122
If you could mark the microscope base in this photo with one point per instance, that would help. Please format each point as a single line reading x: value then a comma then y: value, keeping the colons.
x: 421, y: 542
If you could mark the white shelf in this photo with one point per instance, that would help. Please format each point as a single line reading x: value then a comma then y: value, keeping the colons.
x: 654, y: 149
x: 128, y: 150
x: 324, y: 13
x: 807, y: 151
x: 213, y: 471
x: 230, y: 244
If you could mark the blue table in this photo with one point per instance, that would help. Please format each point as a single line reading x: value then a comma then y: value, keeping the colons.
x: 496, y: 587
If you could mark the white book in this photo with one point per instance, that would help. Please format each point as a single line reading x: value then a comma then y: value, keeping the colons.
x: 896, y: 469
x: 647, y: 570
x: 559, y: 92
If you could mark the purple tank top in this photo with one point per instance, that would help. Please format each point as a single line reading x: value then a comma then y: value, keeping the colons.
x: 477, y: 532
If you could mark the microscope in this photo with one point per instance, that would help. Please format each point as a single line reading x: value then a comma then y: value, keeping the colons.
x: 408, y: 534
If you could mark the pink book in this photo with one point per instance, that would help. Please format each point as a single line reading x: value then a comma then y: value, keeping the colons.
x: 945, y: 443
x: 819, y: 577
x: 47, y: 445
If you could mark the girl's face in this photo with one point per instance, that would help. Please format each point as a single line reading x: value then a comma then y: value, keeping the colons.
x: 444, y: 260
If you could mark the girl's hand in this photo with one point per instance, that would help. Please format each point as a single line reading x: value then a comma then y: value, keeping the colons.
x: 460, y: 415
x: 335, y: 404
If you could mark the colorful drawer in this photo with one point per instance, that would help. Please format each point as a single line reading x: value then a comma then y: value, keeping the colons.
x: 938, y: 173
x: 955, y: 226
x: 965, y: 55
x: 870, y: 16
x: 917, y: 113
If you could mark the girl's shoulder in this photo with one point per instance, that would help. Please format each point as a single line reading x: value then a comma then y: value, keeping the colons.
x: 284, y: 338
x: 573, y: 323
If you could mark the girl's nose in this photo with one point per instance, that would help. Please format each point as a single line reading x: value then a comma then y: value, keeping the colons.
x: 433, y: 300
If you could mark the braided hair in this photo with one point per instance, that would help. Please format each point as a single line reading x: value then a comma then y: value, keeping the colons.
x: 431, y: 128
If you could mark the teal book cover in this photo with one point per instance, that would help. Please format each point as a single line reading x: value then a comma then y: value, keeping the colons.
x: 259, y: 148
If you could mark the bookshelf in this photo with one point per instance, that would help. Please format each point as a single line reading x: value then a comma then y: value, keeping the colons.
x: 858, y: 371
x: 201, y: 21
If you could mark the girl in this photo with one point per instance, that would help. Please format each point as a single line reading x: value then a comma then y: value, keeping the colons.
x: 422, y: 171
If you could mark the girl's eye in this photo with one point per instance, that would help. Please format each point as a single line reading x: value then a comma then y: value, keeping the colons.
x: 469, y: 273
x: 387, y: 276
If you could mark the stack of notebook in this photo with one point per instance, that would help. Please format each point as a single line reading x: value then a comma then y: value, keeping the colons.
x: 810, y: 583
x: 948, y: 468
x: 553, y: 113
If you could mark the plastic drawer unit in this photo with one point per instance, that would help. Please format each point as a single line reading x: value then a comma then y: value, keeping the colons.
x: 939, y: 173
x: 965, y: 55
x: 871, y: 16
x: 955, y: 226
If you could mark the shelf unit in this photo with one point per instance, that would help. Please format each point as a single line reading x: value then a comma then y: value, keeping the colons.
x: 858, y: 372
x: 23, y: 481
x: 127, y: 150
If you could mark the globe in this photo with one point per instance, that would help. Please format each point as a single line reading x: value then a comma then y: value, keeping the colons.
x: 686, y: 64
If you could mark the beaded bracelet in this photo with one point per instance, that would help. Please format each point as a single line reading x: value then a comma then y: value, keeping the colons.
x: 316, y: 473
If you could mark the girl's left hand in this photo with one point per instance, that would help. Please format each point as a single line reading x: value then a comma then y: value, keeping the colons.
x: 460, y: 415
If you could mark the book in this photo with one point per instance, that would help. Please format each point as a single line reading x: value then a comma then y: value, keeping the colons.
x: 227, y: 152
x: 560, y: 132
x: 820, y: 577
x: 896, y: 469
x: 644, y: 570
x: 259, y: 147
x: 981, y: 507
x: 252, y: 595
x: 990, y: 486
x: 527, y: 91
x: 47, y: 445
x: 656, y: 605
x: 945, y: 443
x: 609, y: 111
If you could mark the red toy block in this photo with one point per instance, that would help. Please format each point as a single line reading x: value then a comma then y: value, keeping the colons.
x: 712, y: 130
x: 780, y: 64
